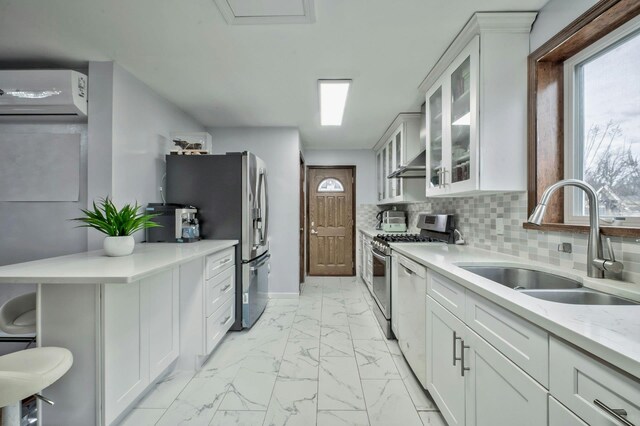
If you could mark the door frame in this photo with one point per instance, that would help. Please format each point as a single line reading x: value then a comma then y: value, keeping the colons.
x: 353, y: 216
x: 303, y: 221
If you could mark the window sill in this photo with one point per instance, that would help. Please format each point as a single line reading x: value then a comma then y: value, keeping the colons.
x: 611, y: 231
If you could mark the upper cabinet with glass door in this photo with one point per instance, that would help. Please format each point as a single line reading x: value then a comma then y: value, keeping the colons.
x: 399, y: 144
x: 476, y: 101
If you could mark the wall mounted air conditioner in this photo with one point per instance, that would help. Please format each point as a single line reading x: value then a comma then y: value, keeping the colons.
x: 43, y: 93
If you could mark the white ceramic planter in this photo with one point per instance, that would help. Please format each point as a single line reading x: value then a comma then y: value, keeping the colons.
x: 119, y: 246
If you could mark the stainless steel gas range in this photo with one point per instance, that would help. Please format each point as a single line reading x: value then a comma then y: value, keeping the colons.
x: 434, y: 228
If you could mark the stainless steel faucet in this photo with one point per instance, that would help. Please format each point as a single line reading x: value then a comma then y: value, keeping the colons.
x: 596, y: 263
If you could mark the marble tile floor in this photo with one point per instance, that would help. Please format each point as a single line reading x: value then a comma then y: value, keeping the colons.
x: 319, y: 360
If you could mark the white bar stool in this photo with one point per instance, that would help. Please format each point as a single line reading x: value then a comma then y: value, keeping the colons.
x: 18, y: 316
x: 25, y: 373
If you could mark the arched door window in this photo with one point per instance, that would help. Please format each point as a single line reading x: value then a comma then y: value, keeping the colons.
x: 330, y: 185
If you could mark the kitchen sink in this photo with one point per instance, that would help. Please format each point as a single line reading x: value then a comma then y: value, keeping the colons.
x: 581, y: 296
x: 523, y: 279
x: 546, y: 286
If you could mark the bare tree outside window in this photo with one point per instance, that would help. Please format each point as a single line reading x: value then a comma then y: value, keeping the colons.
x: 608, y: 110
x: 613, y: 170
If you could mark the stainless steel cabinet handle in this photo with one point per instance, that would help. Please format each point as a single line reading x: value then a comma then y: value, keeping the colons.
x: 462, y: 348
x: 225, y: 288
x: 617, y: 413
x: 225, y: 320
x: 455, y: 340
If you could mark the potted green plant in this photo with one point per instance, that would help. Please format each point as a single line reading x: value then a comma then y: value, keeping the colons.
x: 117, y: 225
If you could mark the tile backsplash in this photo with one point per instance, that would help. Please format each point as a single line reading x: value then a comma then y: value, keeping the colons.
x: 478, y: 219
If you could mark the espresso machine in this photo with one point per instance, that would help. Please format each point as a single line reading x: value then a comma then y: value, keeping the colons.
x: 179, y: 223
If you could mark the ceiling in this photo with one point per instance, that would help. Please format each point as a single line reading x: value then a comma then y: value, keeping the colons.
x: 254, y: 75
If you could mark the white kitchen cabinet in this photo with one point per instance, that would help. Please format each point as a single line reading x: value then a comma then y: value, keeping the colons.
x: 523, y: 343
x: 409, y: 313
x: 474, y: 384
x: 476, y: 106
x: 367, y: 260
x: 141, y: 337
x: 126, y: 343
x: 399, y: 144
x: 164, y: 320
x: 595, y: 392
x: 559, y: 415
x: 498, y: 393
x: 207, y: 306
x: 444, y: 381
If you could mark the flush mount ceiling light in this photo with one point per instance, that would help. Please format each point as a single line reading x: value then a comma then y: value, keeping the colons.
x: 333, y: 97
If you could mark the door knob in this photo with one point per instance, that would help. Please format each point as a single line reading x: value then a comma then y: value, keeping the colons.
x: 313, y: 231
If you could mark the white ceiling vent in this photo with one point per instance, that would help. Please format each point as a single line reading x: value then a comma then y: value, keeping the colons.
x: 255, y: 12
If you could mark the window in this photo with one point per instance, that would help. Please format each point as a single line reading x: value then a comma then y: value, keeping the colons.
x: 602, y: 126
x: 330, y: 185
x: 584, y: 93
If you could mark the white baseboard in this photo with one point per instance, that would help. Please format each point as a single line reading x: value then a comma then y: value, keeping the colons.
x: 284, y: 295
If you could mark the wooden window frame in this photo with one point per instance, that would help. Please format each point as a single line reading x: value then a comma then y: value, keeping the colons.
x: 546, y: 108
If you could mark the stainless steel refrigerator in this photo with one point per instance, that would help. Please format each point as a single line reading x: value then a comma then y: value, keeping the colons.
x: 230, y: 193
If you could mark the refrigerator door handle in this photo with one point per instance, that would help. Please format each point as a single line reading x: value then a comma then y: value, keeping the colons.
x: 261, y: 222
x: 266, y: 208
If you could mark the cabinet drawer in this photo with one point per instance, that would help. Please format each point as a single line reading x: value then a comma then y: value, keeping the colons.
x: 578, y: 380
x: 218, y: 261
x: 219, y: 323
x: 559, y: 415
x: 449, y: 294
x: 218, y: 289
x: 523, y: 343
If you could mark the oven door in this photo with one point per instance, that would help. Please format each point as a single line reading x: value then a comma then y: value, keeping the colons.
x: 382, y: 282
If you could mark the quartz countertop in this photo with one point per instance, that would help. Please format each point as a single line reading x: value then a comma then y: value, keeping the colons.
x: 94, y: 267
x: 372, y: 232
x: 610, y: 332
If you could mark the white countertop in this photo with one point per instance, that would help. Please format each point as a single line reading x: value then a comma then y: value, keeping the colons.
x: 372, y: 232
x: 611, y: 333
x: 93, y: 267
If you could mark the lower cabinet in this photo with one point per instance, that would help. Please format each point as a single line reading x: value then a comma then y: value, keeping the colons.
x: 367, y: 261
x: 595, y: 392
x: 559, y: 415
x: 498, y: 392
x: 445, y: 381
x: 140, y: 337
x: 207, y: 307
x: 474, y: 384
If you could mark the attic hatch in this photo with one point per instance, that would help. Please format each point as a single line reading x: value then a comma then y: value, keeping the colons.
x: 257, y: 12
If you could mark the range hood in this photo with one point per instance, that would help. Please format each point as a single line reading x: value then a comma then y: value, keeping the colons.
x: 414, y: 169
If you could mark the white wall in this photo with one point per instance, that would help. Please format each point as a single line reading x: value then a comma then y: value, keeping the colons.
x: 279, y: 147
x: 129, y: 127
x: 363, y: 159
x: 554, y: 16
x: 142, y: 123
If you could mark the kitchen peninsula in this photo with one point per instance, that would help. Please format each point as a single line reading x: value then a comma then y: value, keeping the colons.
x: 127, y: 320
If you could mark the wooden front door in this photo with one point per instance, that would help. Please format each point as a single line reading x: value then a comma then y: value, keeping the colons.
x: 331, y: 226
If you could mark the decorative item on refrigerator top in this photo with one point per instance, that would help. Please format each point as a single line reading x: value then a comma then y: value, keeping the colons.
x: 394, y: 221
x: 198, y: 143
x: 179, y: 224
